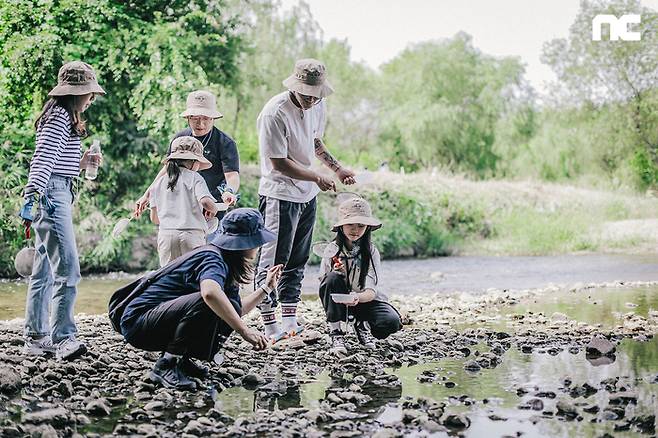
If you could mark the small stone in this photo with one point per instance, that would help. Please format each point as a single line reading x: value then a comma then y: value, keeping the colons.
x: 623, y: 398
x: 10, y: 381
x: 457, y: 421
x: 566, y: 409
x: 193, y: 428
x: 154, y: 406
x: 472, y: 365
x: 98, y: 407
x: 252, y: 379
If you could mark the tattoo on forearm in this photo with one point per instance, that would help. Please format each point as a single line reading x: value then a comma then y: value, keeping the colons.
x: 323, y: 154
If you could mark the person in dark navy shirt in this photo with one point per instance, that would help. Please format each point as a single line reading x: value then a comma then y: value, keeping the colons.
x: 218, y: 148
x: 188, y: 310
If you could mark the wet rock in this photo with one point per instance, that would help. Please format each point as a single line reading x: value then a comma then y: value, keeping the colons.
x: 593, y: 409
x: 57, y: 417
x: 450, y: 384
x: 534, y: 403
x: 42, y: 431
x: 98, y: 407
x: 600, y: 346
x: 10, y: 381
x: 598, y: 361
x: 252, y: 379
x: 472, y: 365
x: 10, y: 432
x: 545, y: 394
x: 584, y: 390
x: 494, y: 417
x: 65, y: 388
x: 154, y: 406
x: 457, y: 421
x: 646, y: 423
x: 613, y: 413
x: 394, y: 344
x: 566, y: 410
x: 193, y: 427
x: 623, y: 398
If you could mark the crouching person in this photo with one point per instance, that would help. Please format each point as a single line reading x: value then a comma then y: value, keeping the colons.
x: 189, y: 307
x: 351, y: 267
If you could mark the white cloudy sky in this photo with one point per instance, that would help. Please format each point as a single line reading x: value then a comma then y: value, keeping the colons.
x: 377, y: 30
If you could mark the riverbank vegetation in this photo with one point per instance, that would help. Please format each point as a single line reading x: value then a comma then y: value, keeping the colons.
x: 489, y: 165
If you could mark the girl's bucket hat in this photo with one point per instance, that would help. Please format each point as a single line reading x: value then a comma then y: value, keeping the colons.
x: 356, y: 211
x: 188, y: 148
x: 76, y: 78
x: 309, y: 79
x: 201, y: 103
x: 242, y: 228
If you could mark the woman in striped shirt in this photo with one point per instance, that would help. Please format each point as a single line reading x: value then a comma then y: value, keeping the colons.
x: 56, y: 161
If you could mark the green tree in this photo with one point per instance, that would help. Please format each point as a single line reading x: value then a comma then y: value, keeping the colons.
x: 148, y: 55
x: 619, y: 75
x: 441, y: 101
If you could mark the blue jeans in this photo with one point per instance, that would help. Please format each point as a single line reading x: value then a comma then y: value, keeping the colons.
x: 56, y: 271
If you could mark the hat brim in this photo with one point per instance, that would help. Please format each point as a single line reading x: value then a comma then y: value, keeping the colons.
x: 319, y: 91
x: 190, y: 112
x: 76, y: 90
x: 372, y: 222
x: 187, y: 155
x: 237, y: 243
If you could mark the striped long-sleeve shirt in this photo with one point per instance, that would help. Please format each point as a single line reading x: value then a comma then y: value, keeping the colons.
x: 57, y: 151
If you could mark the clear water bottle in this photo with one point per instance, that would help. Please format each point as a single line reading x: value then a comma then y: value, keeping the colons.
x: 92, y: 169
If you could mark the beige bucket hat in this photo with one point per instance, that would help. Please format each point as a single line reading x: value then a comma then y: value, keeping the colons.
x: 188, y: 148
x: 356, y: 211
x: 309, y: 78
x: 76, y: 78
x: 201, y: 103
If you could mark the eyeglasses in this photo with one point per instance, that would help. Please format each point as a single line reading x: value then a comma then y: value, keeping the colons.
x: 199, y: 119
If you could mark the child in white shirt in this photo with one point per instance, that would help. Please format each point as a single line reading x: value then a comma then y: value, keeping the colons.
x: 179, y: 198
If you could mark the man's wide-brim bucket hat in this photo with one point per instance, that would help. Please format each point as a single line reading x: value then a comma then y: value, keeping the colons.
x: 242, y: 228
x: 201, y: 103
x: 76, y: 78
x: 309, y: 78
x: 188, y: 148
x: 356, y: 211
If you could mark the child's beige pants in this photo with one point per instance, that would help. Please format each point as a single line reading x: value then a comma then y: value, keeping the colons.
x: 174, y: 243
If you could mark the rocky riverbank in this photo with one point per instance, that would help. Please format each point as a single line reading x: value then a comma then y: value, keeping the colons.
x: 107, y: 391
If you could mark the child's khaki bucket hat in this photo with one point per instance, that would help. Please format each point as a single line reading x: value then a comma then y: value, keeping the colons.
x: 188, y: 148
x: 356, y: 211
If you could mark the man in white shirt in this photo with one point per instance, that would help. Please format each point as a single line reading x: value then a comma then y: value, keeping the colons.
x: 290, y: 130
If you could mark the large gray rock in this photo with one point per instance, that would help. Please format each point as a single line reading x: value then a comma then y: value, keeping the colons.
x: 600, y: 346
x: 57, y: 417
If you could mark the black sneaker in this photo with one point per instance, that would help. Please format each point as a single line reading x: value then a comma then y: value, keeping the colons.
x: 338, y: 346
x: 194, y: 369
x: 169, y: 374
x: 364, y: 335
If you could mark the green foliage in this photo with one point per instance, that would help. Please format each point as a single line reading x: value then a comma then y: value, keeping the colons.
x: 441, y: 102
x: 147, y: 56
